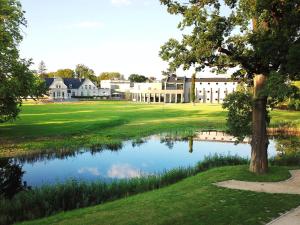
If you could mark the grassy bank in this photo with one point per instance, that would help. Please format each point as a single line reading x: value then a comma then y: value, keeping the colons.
x: 194, y: 200
x: 95, y: 124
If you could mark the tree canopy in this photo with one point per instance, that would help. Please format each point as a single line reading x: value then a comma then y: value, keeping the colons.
x: 137, y: 78
x: 110, y: 76
x: 259, y: 39
x: 17, y: 81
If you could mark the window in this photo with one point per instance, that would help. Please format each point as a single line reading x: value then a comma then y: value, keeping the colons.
x: 200, y: 91
x: 225, y: 83
x: 208, y: 83
x: 208, y: 91
x: 217, y: 83
x: 207, y: 99
x: 70, y: 86
x: 81, y: 93
x: 73, y: 93
x: 233, y: 83
x: 216, y: 99
x: 94, y: 88
x: 200, y: 83
x: 90, y: 87
x: 216, y: 91
x: 86, y: 86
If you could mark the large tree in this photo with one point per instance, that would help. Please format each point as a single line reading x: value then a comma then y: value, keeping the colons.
x: 17, y: 81
x: 260, y: 38
x: 42, y: 70
x: 82, y: 71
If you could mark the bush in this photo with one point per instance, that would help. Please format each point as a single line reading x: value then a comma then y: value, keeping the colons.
x: 294, y: 104
x: 286, y: 160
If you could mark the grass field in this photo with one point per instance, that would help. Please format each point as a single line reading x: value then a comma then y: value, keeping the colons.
x: 194, y: 200
x: 72, y: 125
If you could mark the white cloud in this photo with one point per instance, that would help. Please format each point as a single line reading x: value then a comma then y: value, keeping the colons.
x: 121, y: 2
x: 91, y: 170
x: 123, y: 171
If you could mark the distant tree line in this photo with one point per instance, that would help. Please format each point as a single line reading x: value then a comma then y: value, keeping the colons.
x: 82, y: 71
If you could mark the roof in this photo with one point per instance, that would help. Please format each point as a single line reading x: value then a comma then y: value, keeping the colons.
x: 49, y: 81
x: 74, y: 82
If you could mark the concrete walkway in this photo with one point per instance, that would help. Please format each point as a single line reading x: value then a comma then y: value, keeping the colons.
x: 290, y: 186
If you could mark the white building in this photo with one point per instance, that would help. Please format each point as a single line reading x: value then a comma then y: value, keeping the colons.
x: 119, y: 87
x: 178, y: 89
x: 68, y: 88
x: 214, y: 90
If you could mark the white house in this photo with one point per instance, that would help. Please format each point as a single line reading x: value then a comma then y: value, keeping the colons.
x: 68, y: 88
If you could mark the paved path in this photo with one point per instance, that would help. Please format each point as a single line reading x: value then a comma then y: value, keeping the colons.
x: 290, y: 186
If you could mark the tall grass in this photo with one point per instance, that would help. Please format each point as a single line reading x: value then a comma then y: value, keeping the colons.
x: 48, y: 200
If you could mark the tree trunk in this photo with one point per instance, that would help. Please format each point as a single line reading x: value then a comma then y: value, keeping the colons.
x: 260, y: 142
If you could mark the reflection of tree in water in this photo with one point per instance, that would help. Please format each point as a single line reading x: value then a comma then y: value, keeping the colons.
x: 65, y: 153
x: 168, y: 141
x: 287, y: 145
x: 10, y: 178
x: 138, y: 142
x: 191, y: 144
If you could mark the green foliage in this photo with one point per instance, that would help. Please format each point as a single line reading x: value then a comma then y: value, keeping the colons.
x: 294, y: 104
x: 110, y: 76
x: 17, y: 81
x: 278, y: 89
x: 82, y: 71
x: 65, y: 73
x: 239, y: 105
x: 48, y: 200
x: 137, y: 78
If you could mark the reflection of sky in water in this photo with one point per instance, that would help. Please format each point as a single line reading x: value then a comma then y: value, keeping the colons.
x: 148, y: 158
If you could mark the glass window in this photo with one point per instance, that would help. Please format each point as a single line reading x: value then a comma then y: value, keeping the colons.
x: 90, y: 87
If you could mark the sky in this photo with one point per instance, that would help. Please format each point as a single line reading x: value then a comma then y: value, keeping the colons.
x: 106, y: 35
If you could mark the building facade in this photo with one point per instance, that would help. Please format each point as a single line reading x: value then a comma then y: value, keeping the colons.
x: 177, y: 90
x: 68, y: 88
x: 119, y: 88
x: 214, y: 90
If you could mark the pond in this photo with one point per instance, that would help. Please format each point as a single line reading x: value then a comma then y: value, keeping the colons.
x: 150, y: 155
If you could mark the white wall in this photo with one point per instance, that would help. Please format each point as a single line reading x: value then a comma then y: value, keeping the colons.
x: 214, y: 92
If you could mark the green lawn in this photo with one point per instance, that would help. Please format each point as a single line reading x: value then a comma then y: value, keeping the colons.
x: 194, y: 200
x: 69, y: 125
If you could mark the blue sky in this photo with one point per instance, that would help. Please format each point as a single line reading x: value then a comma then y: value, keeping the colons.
x: 106, y: 35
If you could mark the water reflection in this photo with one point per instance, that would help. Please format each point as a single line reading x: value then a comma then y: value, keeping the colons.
x: 128, y: 159
x: 11, y: 178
